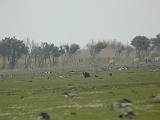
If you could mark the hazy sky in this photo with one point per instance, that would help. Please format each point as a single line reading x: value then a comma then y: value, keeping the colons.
x: 78, y: 21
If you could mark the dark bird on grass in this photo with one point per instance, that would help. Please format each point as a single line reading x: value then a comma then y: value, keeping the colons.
x: 69, y: 84
x: 22, y: 97
x: 70, y: 94
x: 73, y: 71
x: 129, y: 114
x: 73, y: 113
x: 121, y: 103
x: 69, y: 75
x: 85, y: 74
x: 43, y: 116
x: 110, y: 74
x: 151, y: 96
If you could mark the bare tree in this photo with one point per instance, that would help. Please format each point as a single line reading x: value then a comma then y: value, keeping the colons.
x: 117, y: 46
x: 32, y: 45
x: 95, y: 48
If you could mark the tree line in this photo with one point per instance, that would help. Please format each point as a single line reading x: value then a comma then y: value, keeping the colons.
x: 31, y: 54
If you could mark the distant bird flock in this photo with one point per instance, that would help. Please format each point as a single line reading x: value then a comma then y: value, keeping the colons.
x: 120, y: 103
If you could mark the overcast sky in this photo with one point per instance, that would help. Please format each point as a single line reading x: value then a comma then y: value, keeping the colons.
x: 78, y: 21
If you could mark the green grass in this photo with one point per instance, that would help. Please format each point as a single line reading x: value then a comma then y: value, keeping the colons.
x: 95, y: 95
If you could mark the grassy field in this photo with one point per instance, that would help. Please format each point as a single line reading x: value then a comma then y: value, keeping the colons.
x: 23, y: 97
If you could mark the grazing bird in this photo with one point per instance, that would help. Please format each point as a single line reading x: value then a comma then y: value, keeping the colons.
x: 70, y: 94
x: 129, y: 114
x: 153, y: 96
x: 96, y: 75
x: 109, y: 68
x: 121, y: 103
x: 73, y: 113
x: 43, y: 116
x: 73, y: 71
x: 85, y: 74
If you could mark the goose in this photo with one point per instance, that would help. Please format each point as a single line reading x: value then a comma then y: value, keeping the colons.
x: 70, y: 94
x: 43, y: 116
x: 153, y: 96
x: 129, y: 114
x: 121, y: 103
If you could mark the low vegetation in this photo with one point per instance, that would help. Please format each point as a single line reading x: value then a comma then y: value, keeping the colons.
x: 24, y: 96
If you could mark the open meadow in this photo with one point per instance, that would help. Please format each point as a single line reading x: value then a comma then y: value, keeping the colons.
x: 24, y: 96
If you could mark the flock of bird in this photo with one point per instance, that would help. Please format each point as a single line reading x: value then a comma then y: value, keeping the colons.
x: 123, y: 103
x: 120, y: 103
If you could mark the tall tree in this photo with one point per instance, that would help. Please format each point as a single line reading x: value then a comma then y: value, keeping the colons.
x: 142, y: 44
x: 119, y: 47
x: 128, y: 49
x: 62, y: 52
x: 13, y: 49
x: 156, y: 43
x: 73, y: 51
x: 4, y: 52
x: 70, y: 52
x: 55, y: 54
x: 30, y: 57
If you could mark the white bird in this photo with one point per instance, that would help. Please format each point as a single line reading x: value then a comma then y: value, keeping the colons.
x: 121, y: 103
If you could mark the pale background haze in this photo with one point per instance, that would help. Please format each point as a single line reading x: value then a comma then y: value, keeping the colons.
x: 78, y: 21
